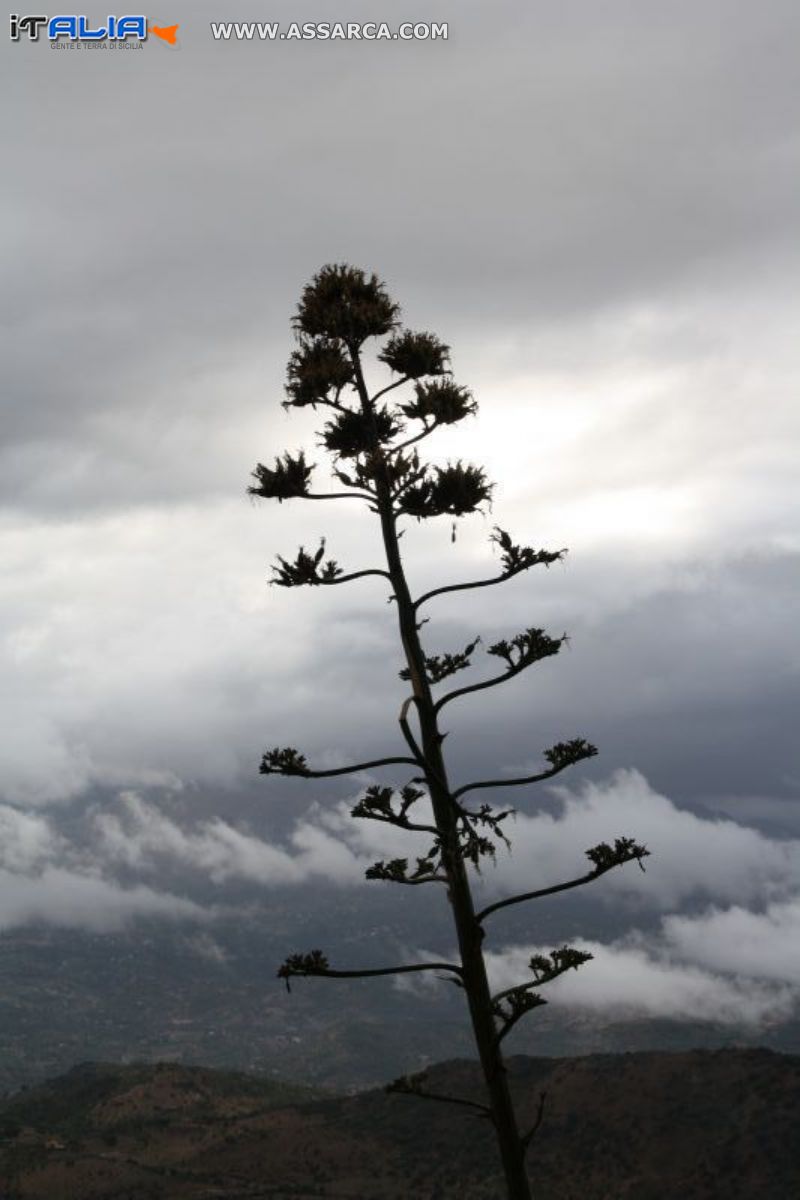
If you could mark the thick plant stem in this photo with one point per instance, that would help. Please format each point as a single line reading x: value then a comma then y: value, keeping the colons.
x: 469, y: 931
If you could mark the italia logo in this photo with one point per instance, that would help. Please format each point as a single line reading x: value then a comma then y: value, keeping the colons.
x: 81, y: 29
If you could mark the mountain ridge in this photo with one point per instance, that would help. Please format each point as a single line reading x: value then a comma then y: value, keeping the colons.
x: 702, y: 1124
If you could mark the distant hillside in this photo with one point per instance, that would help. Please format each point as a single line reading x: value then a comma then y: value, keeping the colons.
x: 105, y: 1095
x: 67, y: 997
x: 701, y: 1125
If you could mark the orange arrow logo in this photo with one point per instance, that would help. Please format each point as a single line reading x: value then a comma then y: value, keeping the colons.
x: 166, y: 33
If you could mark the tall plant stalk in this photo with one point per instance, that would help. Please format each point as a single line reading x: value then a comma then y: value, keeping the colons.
x: 376, y: 460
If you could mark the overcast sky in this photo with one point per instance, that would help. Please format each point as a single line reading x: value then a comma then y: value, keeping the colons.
x: 596, y: 206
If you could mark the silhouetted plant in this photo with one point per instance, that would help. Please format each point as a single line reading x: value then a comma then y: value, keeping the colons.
x: 373, y: 442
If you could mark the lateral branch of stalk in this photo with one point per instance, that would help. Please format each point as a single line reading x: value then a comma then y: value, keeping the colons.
x: 560, y: 756
x: 288, y: 761
x: 413, y: 1085
x: 315, y: 963
x: 528, y: 1137
x: 604, y: 857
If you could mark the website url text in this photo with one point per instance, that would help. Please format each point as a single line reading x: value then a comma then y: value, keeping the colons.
x: 322, y: 31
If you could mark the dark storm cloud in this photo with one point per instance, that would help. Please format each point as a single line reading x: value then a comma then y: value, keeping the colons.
x: 537, y: 168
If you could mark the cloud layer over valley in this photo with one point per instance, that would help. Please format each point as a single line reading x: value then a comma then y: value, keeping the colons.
x: 703, y: 935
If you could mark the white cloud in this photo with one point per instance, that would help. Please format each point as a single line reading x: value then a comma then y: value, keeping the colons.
x: 327, y: 843
x: 142, y: 837
x: 72, y: 900
x: 45, y: 877
x: 121, y: 671
x: 26, y: 840
x: 207, y: 947
x: 764, y: 944
x: 690, y: 855
x: 635, y: 978
x: 730, y: 965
